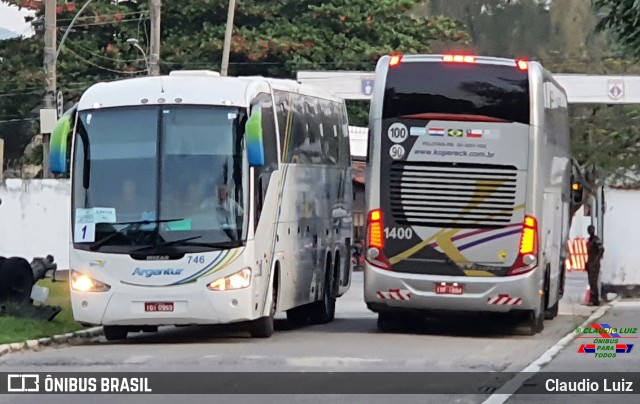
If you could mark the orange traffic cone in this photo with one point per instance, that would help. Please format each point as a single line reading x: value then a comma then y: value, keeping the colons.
x: 587, y: 296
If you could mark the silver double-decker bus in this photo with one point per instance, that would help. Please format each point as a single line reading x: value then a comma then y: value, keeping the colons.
x: 468, y: 188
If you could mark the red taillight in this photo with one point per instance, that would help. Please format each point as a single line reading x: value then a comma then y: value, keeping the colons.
x: 375, y: 240
x: 395, y: 60
x: 459, y: 58
x: 528, y: 254
x: 376, y: 229
x: 522, y: 64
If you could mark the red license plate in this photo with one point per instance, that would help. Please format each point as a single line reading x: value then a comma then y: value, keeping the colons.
x: 158, y: 306
x: 449, y: 289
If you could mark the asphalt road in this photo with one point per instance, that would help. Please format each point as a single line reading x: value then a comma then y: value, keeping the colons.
x: 351, y: 343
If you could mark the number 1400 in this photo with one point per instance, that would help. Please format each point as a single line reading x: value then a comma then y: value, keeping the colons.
x: 399, y: 233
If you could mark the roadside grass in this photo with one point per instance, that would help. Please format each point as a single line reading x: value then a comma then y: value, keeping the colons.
x: 14, y: 329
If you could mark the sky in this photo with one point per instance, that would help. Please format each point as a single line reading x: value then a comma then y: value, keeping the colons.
x: 13, y: 19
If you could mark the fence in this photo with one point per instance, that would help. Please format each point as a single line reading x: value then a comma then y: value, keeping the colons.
x: 577, y: 259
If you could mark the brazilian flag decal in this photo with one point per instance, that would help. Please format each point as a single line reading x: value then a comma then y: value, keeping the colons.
x: 455, y: 132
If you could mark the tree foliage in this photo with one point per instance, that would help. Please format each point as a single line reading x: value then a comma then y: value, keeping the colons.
x: 620, y: 17
x: 271, y: 38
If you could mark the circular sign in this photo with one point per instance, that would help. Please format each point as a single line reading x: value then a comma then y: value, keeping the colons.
x: 397, y: 132
x: 396, y: 152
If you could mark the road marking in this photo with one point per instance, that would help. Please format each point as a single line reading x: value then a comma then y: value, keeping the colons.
x: 633, y: 303
x: 137, y: 359
x: 509, y: 388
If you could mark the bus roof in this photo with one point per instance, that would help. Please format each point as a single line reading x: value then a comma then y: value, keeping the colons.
x: 195, y: 89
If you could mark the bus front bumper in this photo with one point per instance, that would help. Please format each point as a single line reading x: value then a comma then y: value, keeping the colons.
x: 387, y: 290
x: 191, y: 304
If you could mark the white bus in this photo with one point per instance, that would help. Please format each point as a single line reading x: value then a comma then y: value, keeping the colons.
x: 467, y: 188
x: 199, y: 199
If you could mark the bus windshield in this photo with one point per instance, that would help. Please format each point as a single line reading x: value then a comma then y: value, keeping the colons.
x: 457, y: 92
x: 179, y: 168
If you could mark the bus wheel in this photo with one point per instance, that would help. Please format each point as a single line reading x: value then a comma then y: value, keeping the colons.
x: 324, y: 311
x: 535, y: 321
x: 264, y: 326
x: 551, y: 312
x: 114, y: 332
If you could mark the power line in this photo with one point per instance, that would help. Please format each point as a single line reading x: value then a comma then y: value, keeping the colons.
x: 102, y: 67
x: 105, y: 57
x: 105, y: 15
x: 105, y: 23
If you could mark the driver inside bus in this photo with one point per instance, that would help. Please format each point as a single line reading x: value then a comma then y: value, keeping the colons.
x: 227, y: 209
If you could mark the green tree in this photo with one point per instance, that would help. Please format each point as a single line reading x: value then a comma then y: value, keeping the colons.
x: 620, y: 17
x: 271, y: 37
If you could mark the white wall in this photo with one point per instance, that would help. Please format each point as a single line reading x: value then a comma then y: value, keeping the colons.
x: 579, y: 225
x: 621, y: 261
x: 34, y: 219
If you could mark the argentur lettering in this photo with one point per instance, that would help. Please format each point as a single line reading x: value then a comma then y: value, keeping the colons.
x: 147, y: 273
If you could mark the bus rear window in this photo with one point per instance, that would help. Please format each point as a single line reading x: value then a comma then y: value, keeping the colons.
x: 457, y: 91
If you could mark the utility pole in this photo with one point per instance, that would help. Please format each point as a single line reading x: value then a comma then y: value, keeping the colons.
x: 154, y: 57
x: 50, y: 77
x: 227, y: 38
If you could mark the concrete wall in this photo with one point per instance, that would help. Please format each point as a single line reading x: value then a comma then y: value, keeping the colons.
x: 35, y: 219
x: 621, y: 261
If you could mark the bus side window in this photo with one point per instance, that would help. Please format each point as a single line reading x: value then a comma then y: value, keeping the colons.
x: 300, y: 138
x: 263, y: 174
x: 283, y: 110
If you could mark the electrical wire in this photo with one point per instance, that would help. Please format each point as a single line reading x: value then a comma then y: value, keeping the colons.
x: 102, y: 67
x: 105, y: 57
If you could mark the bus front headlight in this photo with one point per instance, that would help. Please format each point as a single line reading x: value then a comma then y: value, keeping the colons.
x: 83, y: 283
x: 238, y: 280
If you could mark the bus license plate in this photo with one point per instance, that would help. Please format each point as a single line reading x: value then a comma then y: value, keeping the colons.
x: 158, y: 306
x: 448, y: 289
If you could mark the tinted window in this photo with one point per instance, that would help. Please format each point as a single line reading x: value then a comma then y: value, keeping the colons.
x: 263, y: 174
x: 466, y: 91
x: 283, y: 113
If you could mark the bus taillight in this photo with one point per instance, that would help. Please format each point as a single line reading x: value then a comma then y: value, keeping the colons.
x: 528, y: 255
x: 375, y: 240
x: 395, y: 60
x: 459, y: 58
x: 522, y: 64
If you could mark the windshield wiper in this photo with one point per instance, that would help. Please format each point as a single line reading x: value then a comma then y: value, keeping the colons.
x: 222, y: 244
x: 130, y: 225
x: 182, y: 241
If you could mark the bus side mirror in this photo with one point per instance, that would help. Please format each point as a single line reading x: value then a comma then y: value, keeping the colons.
x: 576, y: 192
x: 254, y: 139
x: 58, y: 143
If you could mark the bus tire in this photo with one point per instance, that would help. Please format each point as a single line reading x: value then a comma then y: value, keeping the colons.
x: 16, y: 281
x: 324, y: 310
x: 115, y: 332
x: 550, y: 312
x: 264, y: 326
x: 535, y: 321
